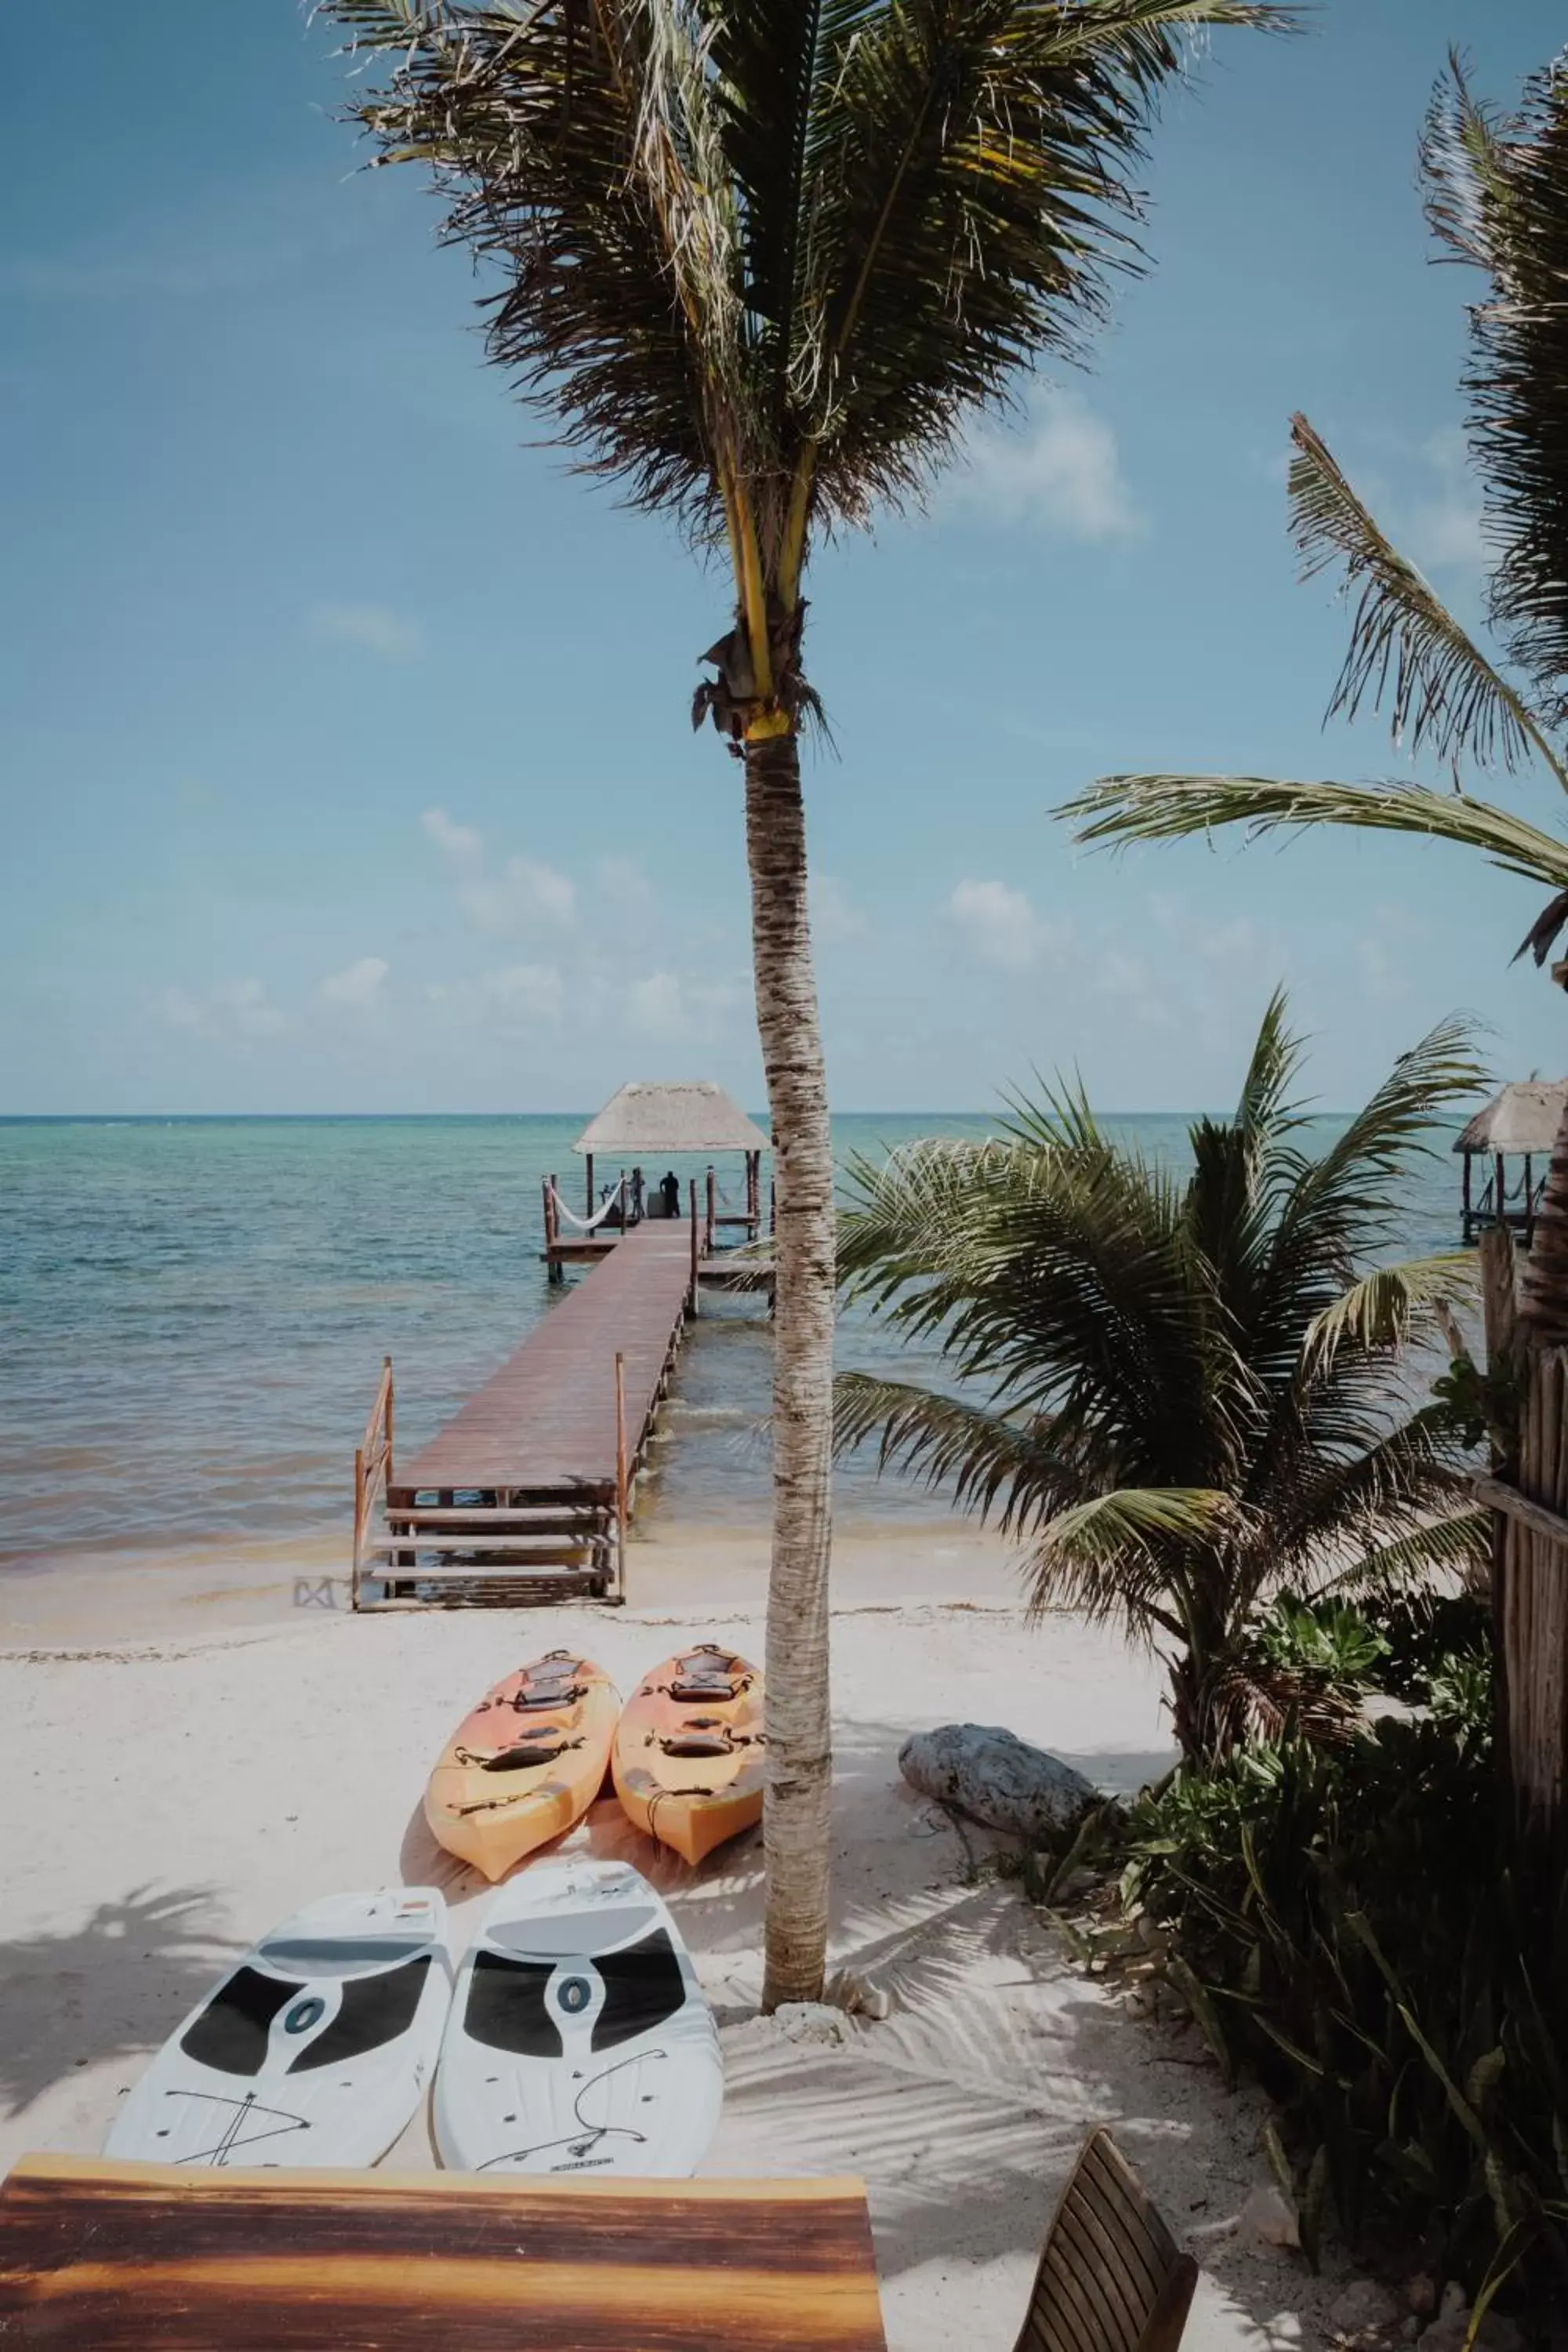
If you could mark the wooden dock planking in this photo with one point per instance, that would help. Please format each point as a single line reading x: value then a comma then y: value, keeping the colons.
x: 546, y: 1421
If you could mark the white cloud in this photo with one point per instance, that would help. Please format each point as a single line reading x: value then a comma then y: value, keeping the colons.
x: 526, y: 891
x: 665, y: 1005
x: 245, y: 1003
x: 1236, y: 941
x: 1000, y: 925
x: 1059, y: 474
x: 513, y: 998
x: 834, y: 914
x: 229, y: 1009
x: 359, y: 986
x: 182, y: 1011
x: 458, y: 840
x: 375, y: 628
x: 1445, y: 529
x: 622, y: 880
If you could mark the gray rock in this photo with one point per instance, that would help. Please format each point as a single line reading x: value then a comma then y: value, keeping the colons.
x: 1265, y: 2218
x: 996, y: 1780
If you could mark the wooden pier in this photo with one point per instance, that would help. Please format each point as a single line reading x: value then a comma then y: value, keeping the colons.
x: 526, y: 1492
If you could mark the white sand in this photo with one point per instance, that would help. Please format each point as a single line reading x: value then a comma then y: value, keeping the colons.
x: 191, y: 1757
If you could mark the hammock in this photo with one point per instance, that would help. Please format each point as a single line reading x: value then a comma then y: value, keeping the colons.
x: 586, y: 1225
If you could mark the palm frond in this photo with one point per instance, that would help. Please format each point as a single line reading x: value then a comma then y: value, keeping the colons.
x: 795, y: 242
x: 1116, y: 1556
x: 576, y: 152
x: 1407, y: 650
x: 973, y: 190
x: 1052, y: 1270
x: 1497, y: 195
x: 1386, y: 1307
x: 1450, y: 1546
x: 1129, y: 808
x: 1189, y: 1392
x: 1344, y: 1207
x: 1415, y: 1472
x: 994, y: 1464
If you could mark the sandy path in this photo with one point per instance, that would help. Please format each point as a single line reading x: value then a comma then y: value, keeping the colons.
x: 174, y: 1798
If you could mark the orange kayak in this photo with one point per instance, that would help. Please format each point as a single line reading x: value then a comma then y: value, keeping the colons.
x: 525, y: 1764
x: 690, y: 1749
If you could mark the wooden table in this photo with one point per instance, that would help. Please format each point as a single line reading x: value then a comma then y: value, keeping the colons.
x: 105, y: 2254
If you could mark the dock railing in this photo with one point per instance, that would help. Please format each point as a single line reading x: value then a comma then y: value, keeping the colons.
x: 696, y: 1255
x: 372, y: 1468
x: 623, y: 1482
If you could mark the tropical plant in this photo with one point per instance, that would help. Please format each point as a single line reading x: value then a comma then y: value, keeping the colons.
x: 1180, y: 1395
x: 1345, y: 1924
x: 1496, y: 196
x: 763, y: 259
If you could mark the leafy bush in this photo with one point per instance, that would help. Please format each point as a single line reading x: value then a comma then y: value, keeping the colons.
x: 1427, y: 1637
x: 1342, y: 1922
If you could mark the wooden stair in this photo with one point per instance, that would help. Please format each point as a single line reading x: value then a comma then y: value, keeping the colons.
x: 499, y: 1548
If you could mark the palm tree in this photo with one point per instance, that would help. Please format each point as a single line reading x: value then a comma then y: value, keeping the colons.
x: 763, y: 259
x: 1496, y: 196
x: 1176, y: 1395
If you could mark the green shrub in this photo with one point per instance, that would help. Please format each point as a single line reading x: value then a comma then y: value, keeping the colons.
x: 1342, y: 1924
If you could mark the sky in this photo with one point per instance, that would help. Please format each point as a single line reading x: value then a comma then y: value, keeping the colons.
x: 344, y: 755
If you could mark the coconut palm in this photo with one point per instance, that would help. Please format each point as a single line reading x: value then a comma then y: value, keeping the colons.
x: 1496, y: 196
x: 1180, y: 1396
x: 762, y: 259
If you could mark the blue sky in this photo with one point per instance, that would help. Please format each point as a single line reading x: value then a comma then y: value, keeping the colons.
x: 343, y: 736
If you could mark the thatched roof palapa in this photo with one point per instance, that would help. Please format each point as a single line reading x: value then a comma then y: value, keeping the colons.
x: 1524, y: 1116
x: 650, y: 1116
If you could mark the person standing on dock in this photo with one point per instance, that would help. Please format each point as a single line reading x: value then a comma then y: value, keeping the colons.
x: 669, y: 1187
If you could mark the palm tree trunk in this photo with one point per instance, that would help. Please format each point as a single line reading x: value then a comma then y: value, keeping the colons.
x: 797, y: 1814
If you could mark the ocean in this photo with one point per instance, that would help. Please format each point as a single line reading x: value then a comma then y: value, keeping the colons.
x: 193, y: 1314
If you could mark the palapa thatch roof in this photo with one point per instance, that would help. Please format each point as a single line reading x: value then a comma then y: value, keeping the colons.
x: 650, y: 1116
x: 1524, y: 1116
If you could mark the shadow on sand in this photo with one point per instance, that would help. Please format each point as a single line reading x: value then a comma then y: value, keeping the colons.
x: 115, y: 1986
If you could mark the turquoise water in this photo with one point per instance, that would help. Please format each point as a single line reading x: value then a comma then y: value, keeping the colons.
x: 194, y: 1313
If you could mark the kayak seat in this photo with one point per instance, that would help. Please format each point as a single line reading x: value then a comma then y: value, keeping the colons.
x: 539, y: 1696
x: 526, y: 1755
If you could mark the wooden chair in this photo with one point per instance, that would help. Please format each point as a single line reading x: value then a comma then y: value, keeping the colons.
x: 1111, y: 2277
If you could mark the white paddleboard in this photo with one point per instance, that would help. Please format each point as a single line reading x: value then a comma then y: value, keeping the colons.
x: 578, y: 2041
x: 314, y: 2049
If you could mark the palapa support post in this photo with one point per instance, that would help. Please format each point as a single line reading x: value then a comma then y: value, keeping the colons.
x: 623, y: 1494
x: 552, y: 1264
x: 588, y: 1164
x: 773, y: 1208
x: 1466, y: 1213
x: 712, y: 1210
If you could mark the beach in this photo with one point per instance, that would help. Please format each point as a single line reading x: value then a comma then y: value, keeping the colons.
x: 203, y: 1745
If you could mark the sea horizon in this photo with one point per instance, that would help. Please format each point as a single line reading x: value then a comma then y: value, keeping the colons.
x: 198, y: 1306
